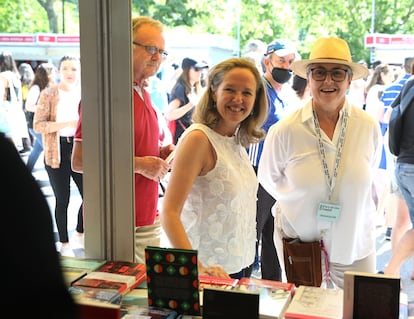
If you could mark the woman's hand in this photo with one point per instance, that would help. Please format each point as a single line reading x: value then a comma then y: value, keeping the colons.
x: 216, y: 271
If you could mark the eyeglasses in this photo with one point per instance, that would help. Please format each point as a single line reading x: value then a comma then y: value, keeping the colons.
x: 152, y: 50
x: 337, y: 75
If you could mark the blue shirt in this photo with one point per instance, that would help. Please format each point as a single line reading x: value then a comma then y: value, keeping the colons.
x: 275, y: 112
x: 392, y: 91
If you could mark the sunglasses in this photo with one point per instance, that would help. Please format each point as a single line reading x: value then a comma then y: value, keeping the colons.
x: 337, y: 74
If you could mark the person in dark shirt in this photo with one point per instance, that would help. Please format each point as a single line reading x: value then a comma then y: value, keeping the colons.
x: 184, y: 96
x: 31, y: 273
x: 404, y: 169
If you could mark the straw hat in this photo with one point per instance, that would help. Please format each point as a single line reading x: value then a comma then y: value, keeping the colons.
x: 330, y: 50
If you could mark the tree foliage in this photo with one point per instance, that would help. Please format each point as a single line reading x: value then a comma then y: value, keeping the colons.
x: 302, y: 21
x: 22, y: 16
x: 32, y: 16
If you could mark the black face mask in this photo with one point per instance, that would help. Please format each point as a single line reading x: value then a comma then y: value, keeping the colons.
x: 281, y: 75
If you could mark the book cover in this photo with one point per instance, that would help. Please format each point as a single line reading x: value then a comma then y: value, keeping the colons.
x: 315, y: 303
x: 274, y: 296
x: 172, y: 279
x: 80, y: 293
x: 370, y: 295
x: 98, y: 279
x: 222, y: 303
x: 148, y: 312
x: 125, y: 268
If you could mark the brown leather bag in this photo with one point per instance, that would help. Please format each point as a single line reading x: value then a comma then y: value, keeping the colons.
x: 303, y: 265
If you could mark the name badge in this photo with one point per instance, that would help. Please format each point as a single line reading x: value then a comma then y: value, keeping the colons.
x: 328, y: 212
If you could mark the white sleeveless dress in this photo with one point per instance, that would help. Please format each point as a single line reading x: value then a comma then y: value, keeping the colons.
x: 219, y: 214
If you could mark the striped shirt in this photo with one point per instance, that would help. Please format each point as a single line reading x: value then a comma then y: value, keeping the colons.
x: 392, y: 91
x: 275, y: 112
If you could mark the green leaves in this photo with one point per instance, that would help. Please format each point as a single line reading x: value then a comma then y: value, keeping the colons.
x: 302, y: 21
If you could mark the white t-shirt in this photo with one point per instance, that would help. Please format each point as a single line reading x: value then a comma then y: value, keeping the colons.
x: 68, y: 110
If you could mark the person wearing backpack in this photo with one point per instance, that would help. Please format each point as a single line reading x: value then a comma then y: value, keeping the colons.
x: 404, y: 170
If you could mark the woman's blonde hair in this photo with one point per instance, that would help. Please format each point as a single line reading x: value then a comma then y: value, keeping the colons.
x: 250, y: 130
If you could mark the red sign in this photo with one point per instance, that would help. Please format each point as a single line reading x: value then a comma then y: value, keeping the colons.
x: 68, y: 39
x: 389, y: 40
x: 10, y: 38
x: 46, y: 38
x: 38, y: 38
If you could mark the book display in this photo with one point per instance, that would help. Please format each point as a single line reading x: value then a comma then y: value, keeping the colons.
x: 172, y: 279
x: 173, y: 290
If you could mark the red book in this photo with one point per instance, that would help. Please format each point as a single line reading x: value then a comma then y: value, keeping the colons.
x: 120, y: 275
x: 125, y: 268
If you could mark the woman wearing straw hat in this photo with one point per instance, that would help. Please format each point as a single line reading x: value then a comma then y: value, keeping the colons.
x: 319, y: 163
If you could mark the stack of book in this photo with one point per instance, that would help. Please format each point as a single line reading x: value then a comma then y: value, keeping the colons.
x: 100, y: 291
x: 122, y: 276
x: 76, y: 268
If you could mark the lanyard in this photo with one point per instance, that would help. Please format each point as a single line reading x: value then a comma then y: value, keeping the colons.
x: 331, y: 180
x: 329, y: 284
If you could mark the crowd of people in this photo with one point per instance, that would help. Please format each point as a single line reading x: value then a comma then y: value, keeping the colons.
x: 260, y: 146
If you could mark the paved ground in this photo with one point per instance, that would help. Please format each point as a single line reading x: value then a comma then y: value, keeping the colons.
x: 383, y: 246
x: 383, y: 255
